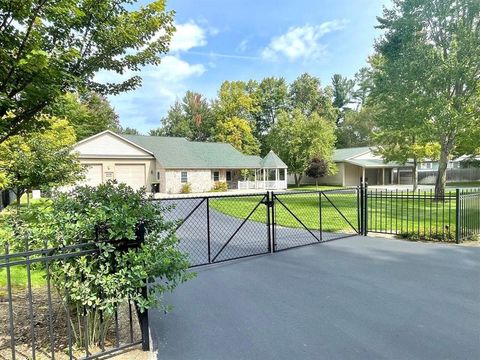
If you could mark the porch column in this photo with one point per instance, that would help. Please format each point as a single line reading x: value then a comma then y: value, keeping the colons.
x: 256, y: 178
x: 277, y: 175
x: 363, y: 174
x: 383, y: 176
x: 264, y: 182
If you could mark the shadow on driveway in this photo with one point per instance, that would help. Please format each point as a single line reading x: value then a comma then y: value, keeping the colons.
x: 355, y: 298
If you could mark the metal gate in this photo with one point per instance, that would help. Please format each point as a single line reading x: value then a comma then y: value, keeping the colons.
x: 220, y: 228
x: 308, y: 217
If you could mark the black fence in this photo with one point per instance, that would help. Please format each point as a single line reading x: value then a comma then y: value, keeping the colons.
x: 41, y: 312
x: 420, y: 215
x: 468, y: 214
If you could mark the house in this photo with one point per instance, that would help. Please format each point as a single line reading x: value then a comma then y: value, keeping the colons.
x: 361, y: 162
x: 166, y: 164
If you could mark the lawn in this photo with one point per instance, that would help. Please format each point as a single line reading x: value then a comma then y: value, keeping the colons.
x: 405, y: 215
x: 468, y: 184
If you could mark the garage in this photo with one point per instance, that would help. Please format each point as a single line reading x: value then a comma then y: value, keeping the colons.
x: 130, y: 174
x: 93, y: 175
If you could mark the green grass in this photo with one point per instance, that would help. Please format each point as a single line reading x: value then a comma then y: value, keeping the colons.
x: 469, y: 184
x: 313, y: 187
x: 401, y: 216
x: 18, y: 277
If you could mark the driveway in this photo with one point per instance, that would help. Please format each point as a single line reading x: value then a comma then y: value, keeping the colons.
x: 354, y: 298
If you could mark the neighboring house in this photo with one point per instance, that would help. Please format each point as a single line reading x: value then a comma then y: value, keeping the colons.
x: 458, y: 169
x: 360, y: 162
x: 166, y: 164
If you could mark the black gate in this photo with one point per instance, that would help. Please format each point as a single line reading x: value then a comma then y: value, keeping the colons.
x: 219, y: 228
x: 308, y: 217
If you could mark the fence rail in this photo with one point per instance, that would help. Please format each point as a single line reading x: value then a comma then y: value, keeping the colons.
x: 41, y: 321
x: 468, y: 214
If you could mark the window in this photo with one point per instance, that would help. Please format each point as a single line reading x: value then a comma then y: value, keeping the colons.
x: 282, y: 174
x: 228, y: 175
x: 184, y: 177
x: 215, y: 175
x: 271, y: 175
x: 158, y: 175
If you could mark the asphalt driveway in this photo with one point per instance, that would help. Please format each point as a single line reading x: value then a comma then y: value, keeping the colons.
x: 354, y: 298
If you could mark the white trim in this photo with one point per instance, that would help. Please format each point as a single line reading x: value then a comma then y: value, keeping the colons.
x: 118, y: 136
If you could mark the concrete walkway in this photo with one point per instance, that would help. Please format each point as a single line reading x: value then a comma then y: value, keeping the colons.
x: 355, y: 298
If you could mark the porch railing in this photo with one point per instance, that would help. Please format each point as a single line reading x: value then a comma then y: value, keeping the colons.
x: 259, y: 184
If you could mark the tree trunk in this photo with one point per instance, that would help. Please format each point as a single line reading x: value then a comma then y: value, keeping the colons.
x: 442, y: 171
x: 415, y: 175
x: 298, y: 178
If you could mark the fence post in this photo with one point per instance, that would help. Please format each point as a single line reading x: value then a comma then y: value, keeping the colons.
x: 143, y: 316
x: 457, y: 216
x: 365, y: 208
x: 360, y: 207
x: 208, y: 231
x: 269, y: 225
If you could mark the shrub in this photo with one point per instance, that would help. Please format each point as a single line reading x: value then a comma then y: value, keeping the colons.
x: 220, y: 186
x: 97, y: 283
x: 186, y: 188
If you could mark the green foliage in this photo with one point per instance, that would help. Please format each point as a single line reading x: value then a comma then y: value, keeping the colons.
x: 297, y: 138
x: 219, y: 186
x: 129, y: 131
x: 89, y: 113
x: 40, y: 159
x: 356, y: 129
x: 49, y: 47
x: 191, y: 118
x: 426, y: 74
x: 238, y: 132
x: 101, y: 281
x: 342, y: 94
x: 186, y: 188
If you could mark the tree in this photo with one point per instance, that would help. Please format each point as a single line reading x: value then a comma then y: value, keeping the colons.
x: 342, y: 93
x: 40, y: 159
x: 357, y: 128
x: 316, y: 169
x: 89, y: 113
x: 270, y: 96
x: 49, y: 47
x: 406, y: 146
x: 297, y: 138
x: 129, y: 131
x: 428, y: 68
x: 307, y: 95
x: 238, y: 133
x: 190, y: 118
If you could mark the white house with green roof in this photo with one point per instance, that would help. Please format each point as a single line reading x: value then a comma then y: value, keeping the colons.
x: 361, y: 162
x: 166, y: 164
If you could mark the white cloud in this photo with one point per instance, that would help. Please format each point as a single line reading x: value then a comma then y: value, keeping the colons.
x: 188, y: 36
x: 301, y: 42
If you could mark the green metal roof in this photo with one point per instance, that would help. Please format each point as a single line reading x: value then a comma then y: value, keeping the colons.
x: 347, y: 153
x: 272, y: 161
x: 179, y: 153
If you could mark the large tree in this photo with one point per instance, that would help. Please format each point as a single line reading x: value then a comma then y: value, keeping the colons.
x: 190, y: 118
x: 307, y: 95
x: 270, y: 96
x: 49, y: 47
x: 357, y: 128
x: 342, y: 95
x: 89, y: 113
x: 40, y: 159
x: 428, y: 68
x: 297, y: 138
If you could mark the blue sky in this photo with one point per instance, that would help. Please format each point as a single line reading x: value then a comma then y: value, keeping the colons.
x: 219, y: 40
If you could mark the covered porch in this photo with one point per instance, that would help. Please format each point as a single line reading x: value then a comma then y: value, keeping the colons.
x: 271, y: 175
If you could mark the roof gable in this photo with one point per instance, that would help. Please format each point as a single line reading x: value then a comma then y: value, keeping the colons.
x: 109, y: 144
x: 272, y: 161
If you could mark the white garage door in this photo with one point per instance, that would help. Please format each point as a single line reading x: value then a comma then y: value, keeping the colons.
x: 130, y: 174
x: 93, y: 175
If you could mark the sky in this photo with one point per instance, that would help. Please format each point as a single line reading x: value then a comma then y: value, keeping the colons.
x: 218, y: 40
